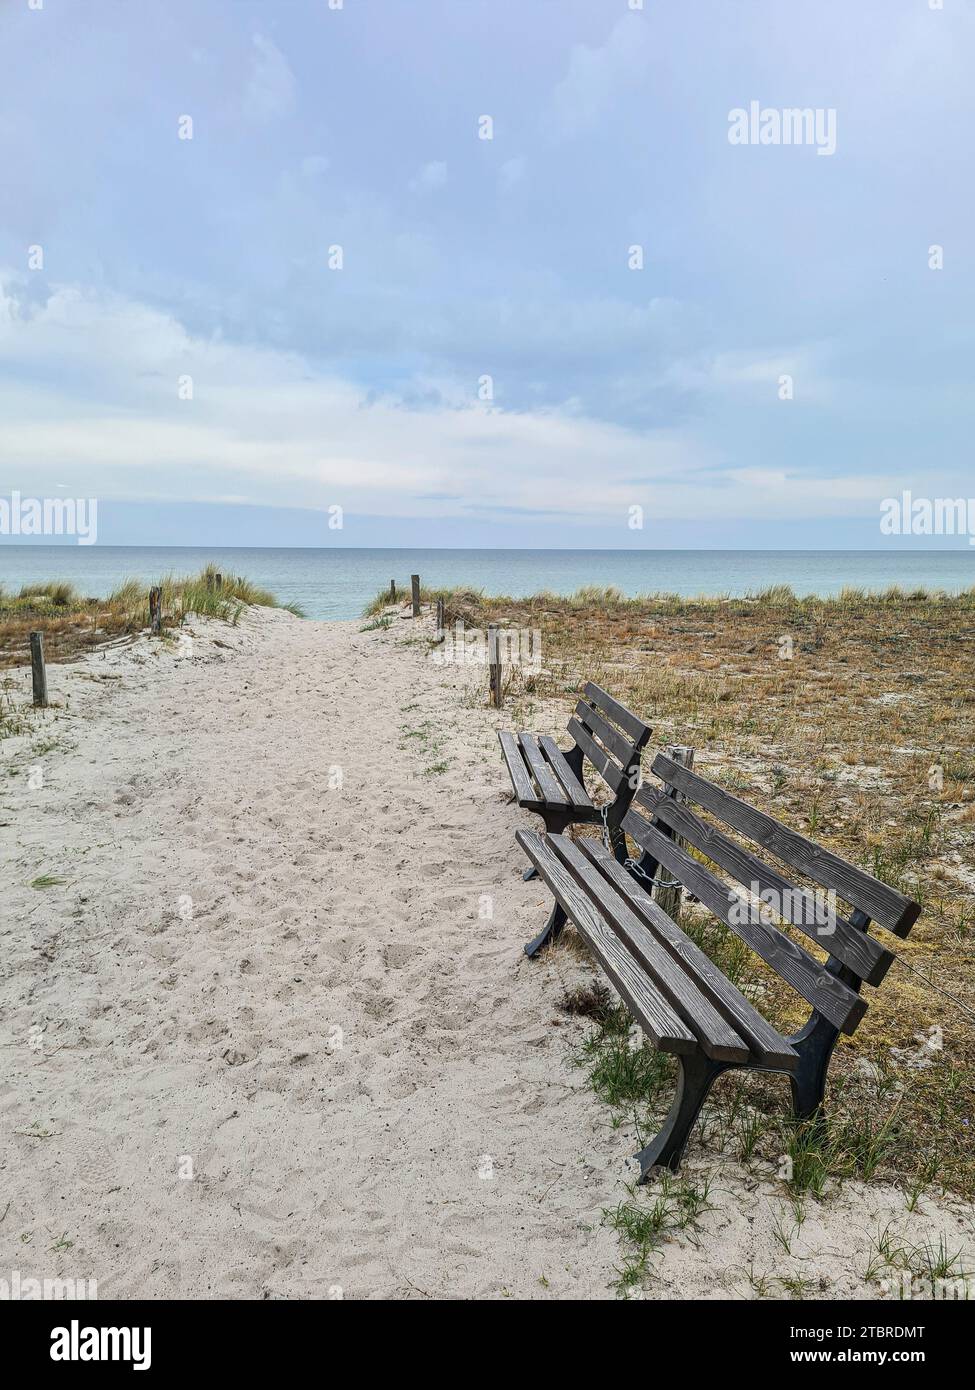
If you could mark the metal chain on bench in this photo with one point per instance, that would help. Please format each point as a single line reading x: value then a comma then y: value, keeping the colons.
x: 634, y: 868
x: 632, y: 864
x: 604, y: 817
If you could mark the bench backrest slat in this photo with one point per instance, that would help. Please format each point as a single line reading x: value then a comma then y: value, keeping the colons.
x: 865, y: 956
x: 612, y: 738
x: 599, y: 758
x: 621, y: 748
x: 618, y: 713
x: 835, y: 1000
x: 861, y: 890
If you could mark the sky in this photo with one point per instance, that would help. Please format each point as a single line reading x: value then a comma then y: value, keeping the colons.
x: 258, y: 261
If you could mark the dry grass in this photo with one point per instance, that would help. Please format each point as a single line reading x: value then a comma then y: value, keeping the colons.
x: 852, y: 720
x: 378, y: 605
x: 73, y: 624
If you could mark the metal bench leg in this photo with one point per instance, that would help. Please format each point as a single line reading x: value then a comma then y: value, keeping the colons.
x: 556, y: 823
x: 552, y: 930
x: 697, y: 1074
x: 576, y: 760
x: 814, y: 1043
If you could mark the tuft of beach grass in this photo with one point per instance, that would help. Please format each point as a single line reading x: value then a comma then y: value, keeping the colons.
x: 73, y: 624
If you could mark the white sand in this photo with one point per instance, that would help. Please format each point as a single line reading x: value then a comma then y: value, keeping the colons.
x: 225, y: 911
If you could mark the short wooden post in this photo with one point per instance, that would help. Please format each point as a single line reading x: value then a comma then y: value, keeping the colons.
x: 440, y: 618
x: 392, y: 591
x: 494, y: 666
x: 415, y: 586
x: 669, y: 898
x: 155, y: 608
x: 38, y: 671
x: 218, y: 580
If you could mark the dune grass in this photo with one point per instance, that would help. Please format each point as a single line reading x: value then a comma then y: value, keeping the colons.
x: 73, y: 624
x: 851, y: 719
x: 377, y: 606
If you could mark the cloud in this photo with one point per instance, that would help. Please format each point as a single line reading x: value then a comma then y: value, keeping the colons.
x: 90, y: 395
x: 431, y: 176
x: 597, y: 77
x: 732, y: 374
x: 271, y: 88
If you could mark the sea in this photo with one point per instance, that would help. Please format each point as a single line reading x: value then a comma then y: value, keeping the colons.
x: 339, y: 582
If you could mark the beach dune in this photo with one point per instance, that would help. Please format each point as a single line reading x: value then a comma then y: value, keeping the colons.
x: 267, y: 1027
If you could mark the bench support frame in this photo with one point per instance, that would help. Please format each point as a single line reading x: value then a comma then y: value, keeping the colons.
x: 814, y: 1043
x: 551, y: 931
x: 697, y: 1075
x: 555, y: 823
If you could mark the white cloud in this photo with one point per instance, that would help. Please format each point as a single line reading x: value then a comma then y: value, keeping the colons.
x: 733, y: 373
x: 88, y: 396
x: 597, y: 76
x: 271, y: 88
x: 431, y: 176
x: 96, y: 403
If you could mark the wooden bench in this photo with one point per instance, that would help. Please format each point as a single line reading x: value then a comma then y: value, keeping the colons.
x: 675, y: 992
x: 550, y: 782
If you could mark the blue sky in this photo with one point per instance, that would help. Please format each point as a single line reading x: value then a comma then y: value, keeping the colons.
x: 464, y: 259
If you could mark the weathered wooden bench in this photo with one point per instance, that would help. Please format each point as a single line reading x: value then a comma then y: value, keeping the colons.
x: 684, y: 1003
x: 550, y: 782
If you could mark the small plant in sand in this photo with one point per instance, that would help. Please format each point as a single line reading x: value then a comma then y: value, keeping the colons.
x: 651, y: 1216
x: 47, y: 881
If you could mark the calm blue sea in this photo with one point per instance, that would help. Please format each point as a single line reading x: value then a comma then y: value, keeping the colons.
x: 337, y: 583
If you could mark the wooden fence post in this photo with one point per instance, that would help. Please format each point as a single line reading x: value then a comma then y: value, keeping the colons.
x: 669, y: 898
x: 392, y: 591
x: 494, y: 666
x: 415, y: 586
x: 38, y: 671
x: 218, y: 580
x: 440, y: 619
x: 155, y: 608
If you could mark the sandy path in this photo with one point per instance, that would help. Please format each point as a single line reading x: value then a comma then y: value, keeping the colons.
x: 225, y: 911
x: 209, y: 1030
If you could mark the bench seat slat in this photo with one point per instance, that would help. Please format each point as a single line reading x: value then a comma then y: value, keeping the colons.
x: 880, y: 902
x: 836, y: 1001
x: 600, y: 760
x: 593, y: 722
x: 518, y: 772
x: 866, y: 956
x: 619, y: 714
x: 646, y: 1003
x: 771, y: 1049
x: 552, y: 792
x: 575, y: 789
x: 717, y: 1037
